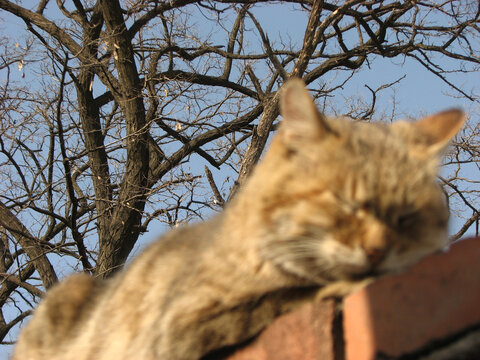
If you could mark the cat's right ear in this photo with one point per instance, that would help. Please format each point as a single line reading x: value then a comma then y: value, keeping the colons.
x: 301, y: 119
x: 440, y: 128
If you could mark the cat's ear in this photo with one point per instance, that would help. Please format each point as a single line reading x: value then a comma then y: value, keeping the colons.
x: 438, y: 129
x: 301, y: 119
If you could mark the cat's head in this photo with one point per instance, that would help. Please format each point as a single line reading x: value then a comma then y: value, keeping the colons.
x: 342, y: 199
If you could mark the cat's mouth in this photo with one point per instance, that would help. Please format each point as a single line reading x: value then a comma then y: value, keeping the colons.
x: 370, y: 270
x: 354, y: 273
x: 360, y: 275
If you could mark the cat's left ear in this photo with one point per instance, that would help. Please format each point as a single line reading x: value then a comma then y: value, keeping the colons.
x: 438, y: 129
x: 301, y: 119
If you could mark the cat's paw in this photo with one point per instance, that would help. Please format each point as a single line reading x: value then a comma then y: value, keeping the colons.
x: 341, y: 288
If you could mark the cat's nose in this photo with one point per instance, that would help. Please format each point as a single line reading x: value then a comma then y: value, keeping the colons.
x: 375, y: 255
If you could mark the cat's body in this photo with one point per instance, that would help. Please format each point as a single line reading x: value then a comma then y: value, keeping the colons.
x: 333, y: 200
x: 180, y: 299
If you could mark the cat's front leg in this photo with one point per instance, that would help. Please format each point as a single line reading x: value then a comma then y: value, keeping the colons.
x: 192, y: 335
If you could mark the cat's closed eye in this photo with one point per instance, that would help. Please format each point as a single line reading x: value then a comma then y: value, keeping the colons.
x: 407, y: 220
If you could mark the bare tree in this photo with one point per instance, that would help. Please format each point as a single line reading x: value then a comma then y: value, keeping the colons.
x: 127, y: 101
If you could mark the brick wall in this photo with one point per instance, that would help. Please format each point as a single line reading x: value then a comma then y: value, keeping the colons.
x: 429, y: 312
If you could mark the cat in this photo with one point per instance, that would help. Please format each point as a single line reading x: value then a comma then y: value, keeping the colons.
x: 332, y: 202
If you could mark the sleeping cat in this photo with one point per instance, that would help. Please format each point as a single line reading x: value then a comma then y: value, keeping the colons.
x: 332, y: 202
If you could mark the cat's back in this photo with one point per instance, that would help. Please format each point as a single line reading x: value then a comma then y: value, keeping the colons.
x: 86, y: 318
x: 60, y: 316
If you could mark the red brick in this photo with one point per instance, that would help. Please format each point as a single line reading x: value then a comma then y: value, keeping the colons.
x: 399, y: 314
x: 306, y: 334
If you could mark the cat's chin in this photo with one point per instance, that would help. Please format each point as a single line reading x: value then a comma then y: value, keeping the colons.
x: 395, y: 264
x: 377, y: 272
x: 370, y: 271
